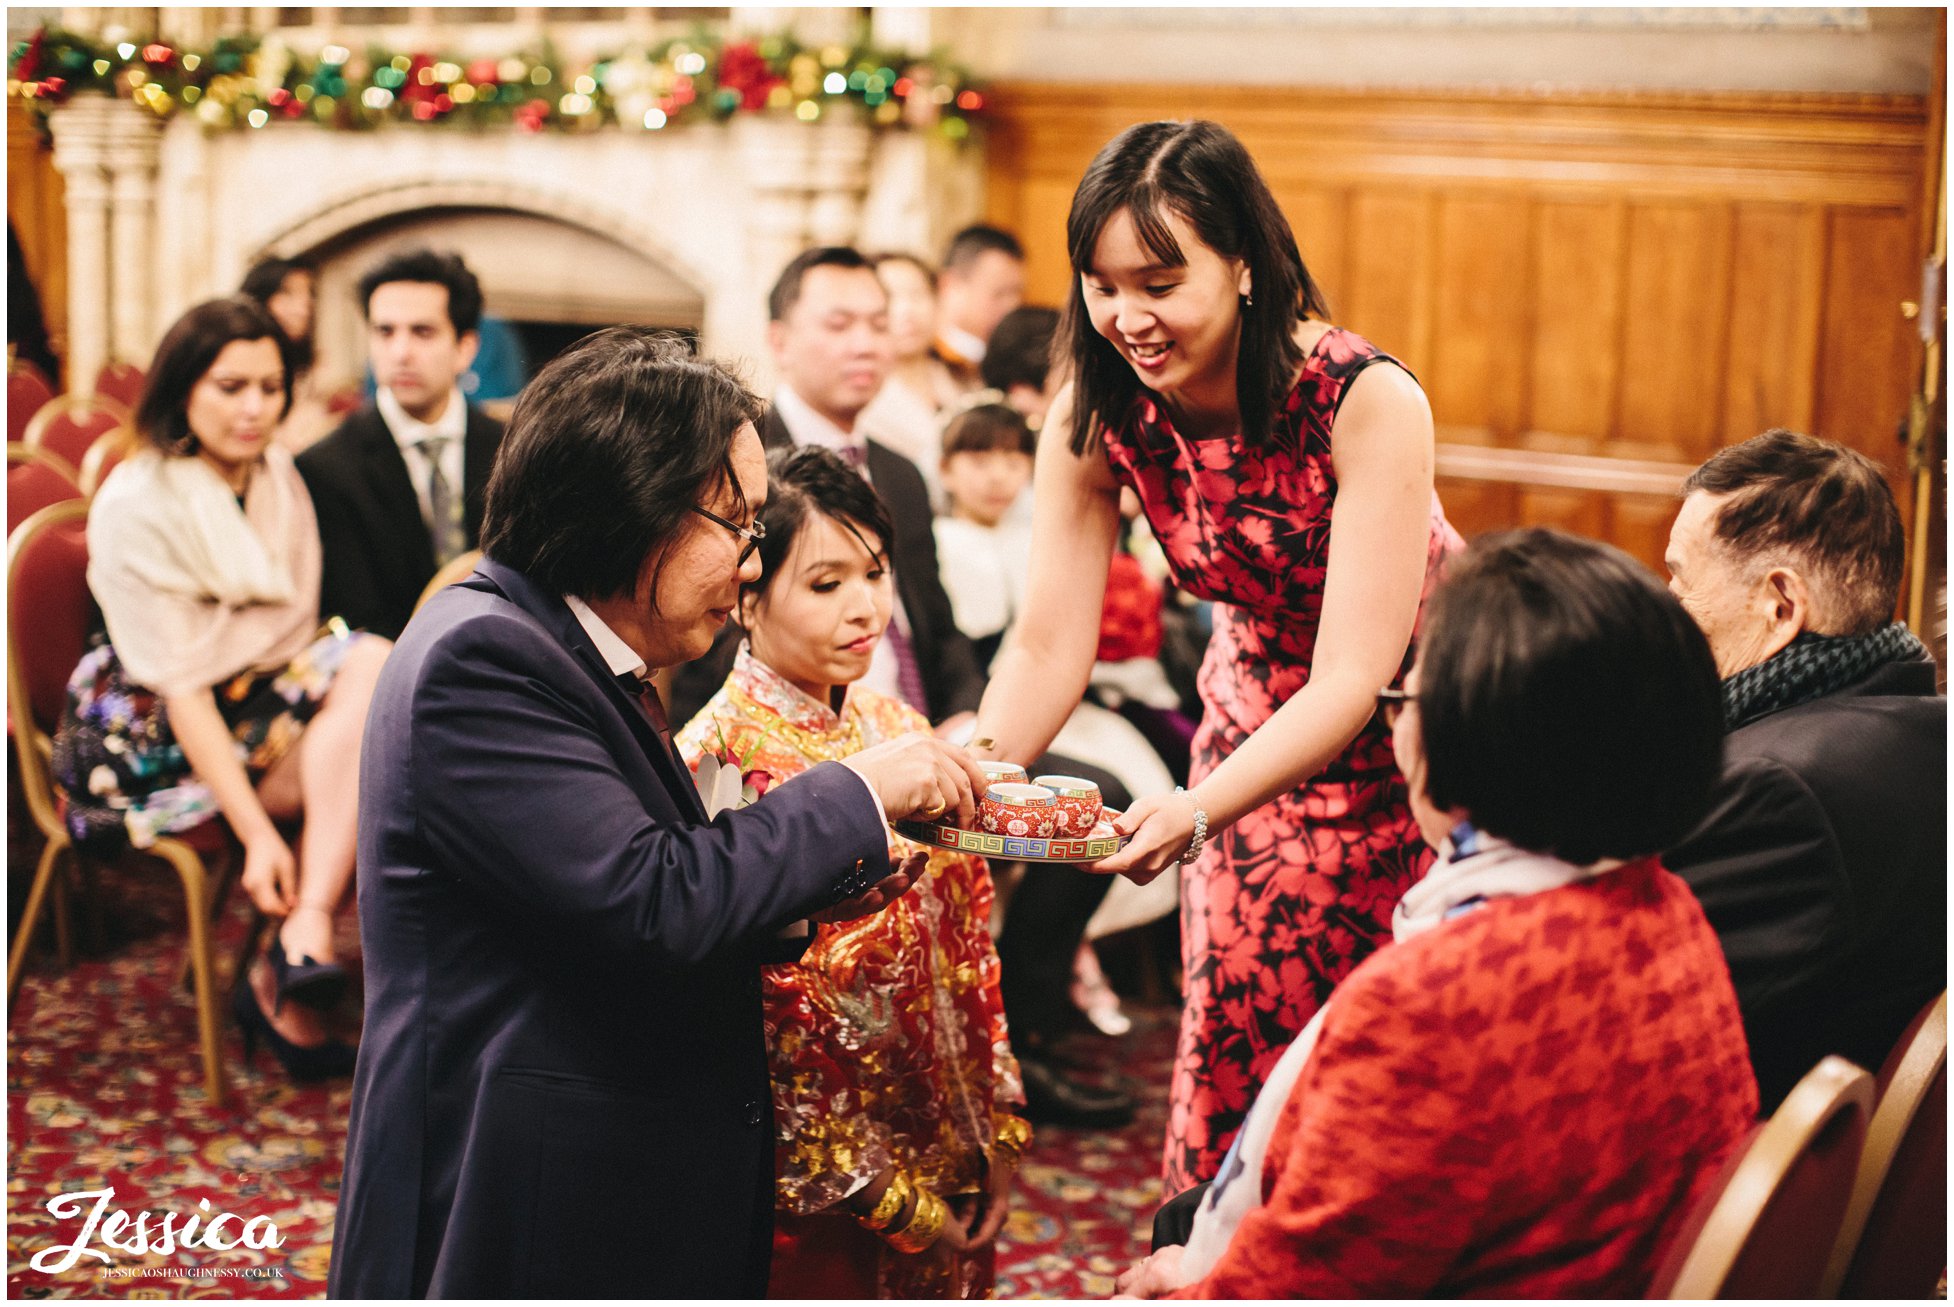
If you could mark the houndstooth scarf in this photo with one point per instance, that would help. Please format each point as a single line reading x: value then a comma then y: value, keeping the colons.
x: 1811, y: 667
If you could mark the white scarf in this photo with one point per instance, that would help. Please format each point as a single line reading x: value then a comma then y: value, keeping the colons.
x: 1473, y: 868
x: 214, y: 551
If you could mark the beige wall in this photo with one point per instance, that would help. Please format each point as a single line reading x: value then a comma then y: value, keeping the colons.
x: 1885, y: 51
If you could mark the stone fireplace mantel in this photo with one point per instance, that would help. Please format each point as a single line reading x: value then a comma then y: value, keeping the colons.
x: 162, y: 217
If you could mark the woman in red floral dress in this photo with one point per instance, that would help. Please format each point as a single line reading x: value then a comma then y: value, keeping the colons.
x: 1286, y: 467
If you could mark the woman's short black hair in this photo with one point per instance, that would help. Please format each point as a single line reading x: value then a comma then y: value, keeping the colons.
x: 1201, y: 173
x: 984, y: 427
x: 1566, y: 700
x: 811, y: 479
x: 189, y: 347
x: 609, y: 449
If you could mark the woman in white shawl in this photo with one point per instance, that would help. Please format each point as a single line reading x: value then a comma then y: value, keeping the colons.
x: 217, y: 688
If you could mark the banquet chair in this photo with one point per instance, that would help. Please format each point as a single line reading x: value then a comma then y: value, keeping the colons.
x: 1894, y: 1244
x: 121, y: 382
x: 50, y: 614
x: 68, y: 424
x: 1767, y: 1226
x: 35, y: 479
x: 455, y: 569
x: 109, y: 449
x: 27, y: 391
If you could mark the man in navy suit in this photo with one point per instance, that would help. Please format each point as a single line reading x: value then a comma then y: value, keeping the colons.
x: 562, y: 1088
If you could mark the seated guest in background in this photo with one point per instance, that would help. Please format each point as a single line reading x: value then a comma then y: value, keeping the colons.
x: 286, y: 287
x: 1823, y: 863
x: 218, y: 689
x: 903, y: 414
x: 398, y: 487
x: 981, y: 281
x: 893, y: 1081
x: 1524, y: 1094
x: 563, y: 1085
x: 1018, y: 361
x: 830, y: 340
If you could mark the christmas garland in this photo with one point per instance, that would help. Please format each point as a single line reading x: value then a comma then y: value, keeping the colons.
x: 251, y: 81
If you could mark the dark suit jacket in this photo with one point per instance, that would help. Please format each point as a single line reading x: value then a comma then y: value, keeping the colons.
x: 378, y: 557
x: 953, y: 679
x: 1823, y: 869
x: 562, y: 1086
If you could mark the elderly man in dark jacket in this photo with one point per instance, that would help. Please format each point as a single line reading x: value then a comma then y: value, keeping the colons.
x: 1823, y: 863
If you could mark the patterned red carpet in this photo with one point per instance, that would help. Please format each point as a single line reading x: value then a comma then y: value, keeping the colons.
x: 105, y: 1091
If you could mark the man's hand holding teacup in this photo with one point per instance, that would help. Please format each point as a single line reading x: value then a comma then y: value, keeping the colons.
x: 919, y: 776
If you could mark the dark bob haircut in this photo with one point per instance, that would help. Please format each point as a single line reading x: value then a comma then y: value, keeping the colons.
x: 189, y: 347
x: 1199, y: 172
x: 1825, y: 505
x: 609, y: 449
x: 1020, y: 349
x: 435, y: 268
x: 1566, y: 700
x: 985, y: 427
x: 807, y: 480
x: 786, y: 292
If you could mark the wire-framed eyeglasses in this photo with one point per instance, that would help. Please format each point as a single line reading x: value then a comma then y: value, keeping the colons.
x: 1391, y: 705
x: 751, y: 535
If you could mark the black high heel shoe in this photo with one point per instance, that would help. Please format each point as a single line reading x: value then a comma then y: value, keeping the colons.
x: 322, y: 1062
x: 318, y: 985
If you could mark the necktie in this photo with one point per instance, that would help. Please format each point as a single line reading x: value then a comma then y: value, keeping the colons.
x: 856, y: 456
x: 444, y: 505
x: 652, y: 706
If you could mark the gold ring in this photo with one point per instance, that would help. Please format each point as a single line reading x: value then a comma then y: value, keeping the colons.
x: 933, y: 812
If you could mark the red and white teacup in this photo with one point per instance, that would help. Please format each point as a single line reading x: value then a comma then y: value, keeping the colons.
x: 1029, y: 812
x: 1002, y: 773
x: 1079, y: 803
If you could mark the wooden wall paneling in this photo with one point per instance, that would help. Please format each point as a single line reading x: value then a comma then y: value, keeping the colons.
x: 37, y: 208
x: 1320, y: 218
x: 1777, y: 301
x: 1578, y: 255
x: 1674, y: 345
x: 1584, y: 512
x: 1477, y: 376
x: 1640, y: 525
x: 1869, y: 354
x: 1391, y: 267
x: 1475, y: 506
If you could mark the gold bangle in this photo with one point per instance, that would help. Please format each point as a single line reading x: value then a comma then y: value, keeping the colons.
x: 923, y: 1228
x: 1013, y: 1135
x: 893, y: 1200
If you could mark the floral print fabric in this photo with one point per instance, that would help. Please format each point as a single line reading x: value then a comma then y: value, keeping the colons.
x: 887, y: 1038
x: 125, y: 776
x: 1284, y: 903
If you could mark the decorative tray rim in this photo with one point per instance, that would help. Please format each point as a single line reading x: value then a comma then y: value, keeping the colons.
x: 1014, y: 848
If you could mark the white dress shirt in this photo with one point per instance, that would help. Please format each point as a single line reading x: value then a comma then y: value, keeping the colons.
x: 621, y: 658
x: 408, y: 432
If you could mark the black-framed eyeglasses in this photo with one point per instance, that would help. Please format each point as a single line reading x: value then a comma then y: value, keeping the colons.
x: 1390, y: 705
x: 752, y: 535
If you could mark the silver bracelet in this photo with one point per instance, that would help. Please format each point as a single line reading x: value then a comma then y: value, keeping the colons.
x: 1200, y: 832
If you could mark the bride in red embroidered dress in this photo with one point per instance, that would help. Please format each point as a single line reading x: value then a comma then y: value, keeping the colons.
x: 893, y: 1077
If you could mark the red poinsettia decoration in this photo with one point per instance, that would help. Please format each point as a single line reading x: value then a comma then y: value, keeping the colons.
x: 29, y: 62
x: 742, y: 69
